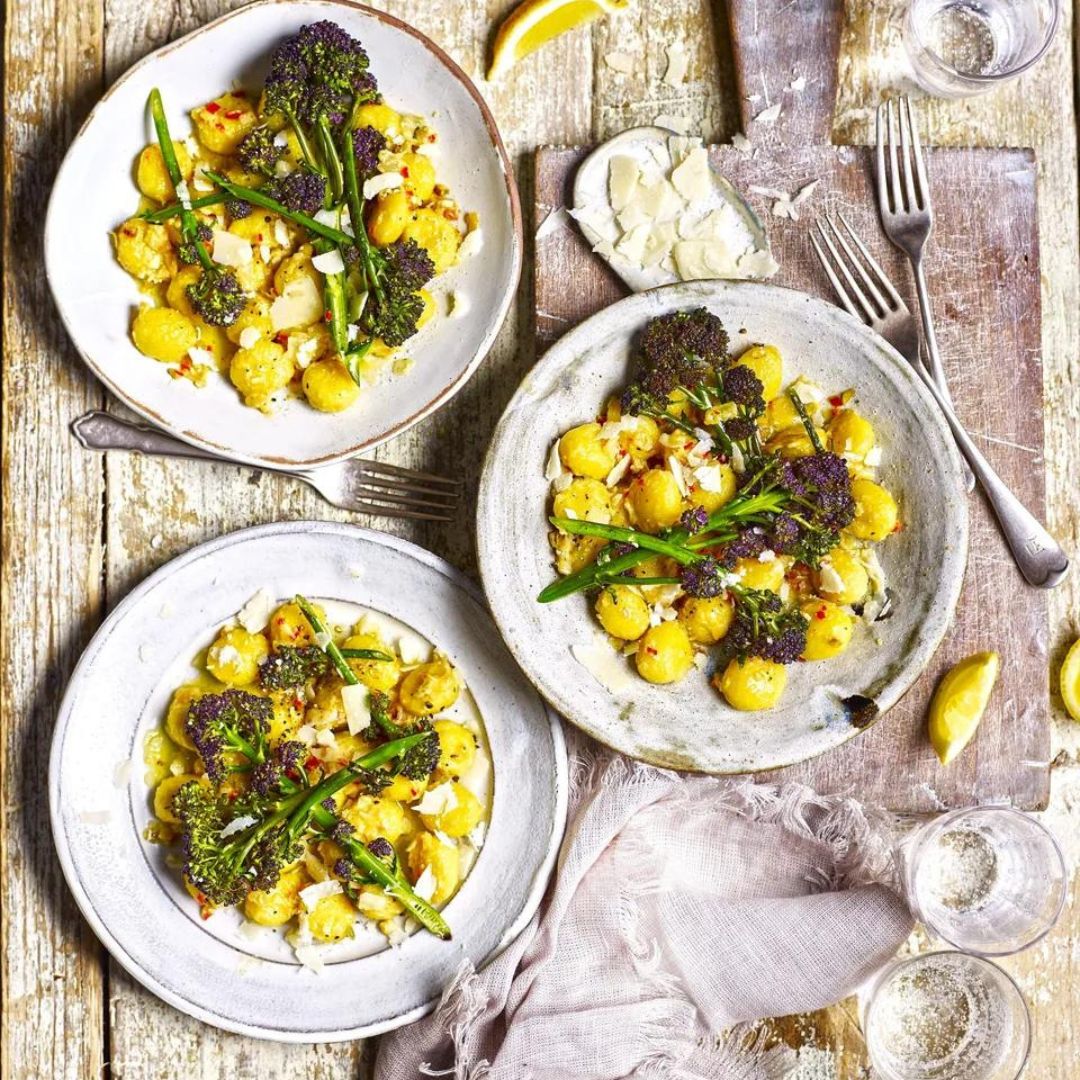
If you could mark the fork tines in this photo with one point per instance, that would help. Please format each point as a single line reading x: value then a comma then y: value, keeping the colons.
x: 904, y: 188
x: 873, y: 292
x: 394, y: 491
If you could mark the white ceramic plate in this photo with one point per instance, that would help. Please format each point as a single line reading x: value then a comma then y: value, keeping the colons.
x: 688, y: 725
x: 95, y: 192
x: 214, y: 970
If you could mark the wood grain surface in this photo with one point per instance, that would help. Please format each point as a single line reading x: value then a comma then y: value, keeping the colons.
x: 80, y: 530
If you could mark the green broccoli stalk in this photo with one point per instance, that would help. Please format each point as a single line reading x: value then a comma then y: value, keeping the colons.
x: 327, y: 644
x: 334, y: 299
x: 227, y: 855
x: 158, y: 217
x: 377, y: 864
x: 216, y: 296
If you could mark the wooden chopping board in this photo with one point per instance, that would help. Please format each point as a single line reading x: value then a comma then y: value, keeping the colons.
x: 983, y: 266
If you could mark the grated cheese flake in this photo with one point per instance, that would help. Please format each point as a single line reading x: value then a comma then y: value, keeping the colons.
x: 231, y: 250
x: 437, y: 801
x: 677, y: 65
x: 472, y: 245
x: 426, y: 884
x: 329, y: 262
x: 356, y: 700
x: 312, y: 894
x: 378, y: 184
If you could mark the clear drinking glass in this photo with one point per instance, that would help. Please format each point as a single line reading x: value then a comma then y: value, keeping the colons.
x: 946, y: 1016
x: 989, y: 880
x: 962, y: 47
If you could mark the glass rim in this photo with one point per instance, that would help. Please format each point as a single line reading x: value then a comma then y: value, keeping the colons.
x: 904, y: 962
x: 997, y: 77
x: 925, y: 832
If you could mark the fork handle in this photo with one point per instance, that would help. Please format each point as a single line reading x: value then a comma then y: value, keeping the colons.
x: 98, y: 430
x: 1038, y: 555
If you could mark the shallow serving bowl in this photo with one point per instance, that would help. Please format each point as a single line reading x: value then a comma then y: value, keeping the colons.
x: 228, y: 972
x: 688, y: 725
x: 95, y: 192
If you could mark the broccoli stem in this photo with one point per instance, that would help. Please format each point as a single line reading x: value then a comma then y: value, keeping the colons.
x: 301, y: 138
x: 171, y: 211
x: 257, y: 198
x: 807, y: 423
x: 365, y: 654
x: 334, y: 297
x: 395, y: 885
x: 330, y: 157
x: 188, y: 223
x: 356, y: 212
x: 347, y: 674
x: 631, y: 536
x: 353, y: 358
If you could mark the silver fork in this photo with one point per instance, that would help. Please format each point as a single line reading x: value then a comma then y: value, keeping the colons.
x: 368, y: 487
x: 865, y: 292
x: 907, y: 217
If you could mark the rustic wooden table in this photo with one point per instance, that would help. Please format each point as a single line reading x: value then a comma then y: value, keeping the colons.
x: 80, y: 530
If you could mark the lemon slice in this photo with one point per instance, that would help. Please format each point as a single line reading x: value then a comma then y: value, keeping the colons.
x: 959, y: 703
x: 535, y: 22
x: 1069, y: 681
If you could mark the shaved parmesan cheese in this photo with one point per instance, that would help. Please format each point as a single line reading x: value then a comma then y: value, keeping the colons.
x: 873, y: 457
x: 201, y: 356
x: 769, y: 115
x: 738, y: 462
x: 239, y: 824
x: 741, y: 142
x: 797, y: 86
x: 306, y: 351
x: 831, y: 581
x: 632, y: 246
x: 679, y: 124
x: 426, y: 884
x: 311, y: 957
x: 249, y: 336
x: 477, y: 835
x: 383, y: 182
x: 323, y: 640
x: 677, y: 65
x: 412, y: 651
x: 757, y: 264
x: 231, y: 250
x: 330, y: 262
x: 617, y: 473
x: 555, y: 220
x: 554, y: 467
x: 183, y: 195
x: 620, y: 62
x: 300, y: 304
x: 306, y: 734
x: 437, y: 801
x: 675, y: 466
x: 709, y: 478
x: 281, y: 233
x: 326, y: 738
x: 623, y: 181
x: 311, y: 895
x: 472, y: 245
x: 767, y: 556
x: 356, y: 701
x: 255, y: 614
x: 693, y: 179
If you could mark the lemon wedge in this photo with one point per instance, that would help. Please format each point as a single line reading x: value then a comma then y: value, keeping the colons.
x: 535, y: 22
x: 1069, y: 681
x: 959, y: 703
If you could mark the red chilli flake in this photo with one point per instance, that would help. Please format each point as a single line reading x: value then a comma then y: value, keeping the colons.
x: 327, y: 315
x: 405, y: 171
x: 312, y: 762
x: 836, y: 401
x: 282, y: 339
x: 820, y: 613
x: 213, y: 107
x: 234, y: 115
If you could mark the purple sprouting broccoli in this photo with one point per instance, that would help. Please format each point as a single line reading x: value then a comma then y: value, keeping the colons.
x: 217, y: 296
x: 282, y: 773
x: 302, y: 191
x: 259, y: 151
x: 395, y: 314
x: 784, y: 534
x: 764, y: 627
x: 368, y: 144
x: 408, y: 265
x: 821, y: 503
x: 749, y: 544
x: 705, y: 578
x: 742, y: 387
x: 693, y: 521
x: 289, y: 667
x: 187, y: 252
x: 237, y: 208
x: 229, y: 723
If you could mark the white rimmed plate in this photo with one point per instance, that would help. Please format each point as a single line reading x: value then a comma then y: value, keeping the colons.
x: 214, y: 970
x: 688, y: 725
x: 95, y: 192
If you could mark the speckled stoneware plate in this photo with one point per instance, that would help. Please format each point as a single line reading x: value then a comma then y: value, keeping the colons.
x: 218, y: 970
x: 688, y: 725
x: 95, y: 192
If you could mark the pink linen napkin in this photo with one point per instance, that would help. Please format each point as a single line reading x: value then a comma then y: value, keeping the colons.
x: 682, y: 909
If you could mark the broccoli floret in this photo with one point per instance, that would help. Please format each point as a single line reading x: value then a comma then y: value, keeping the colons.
x: 259, y: 152
x: 231, y: 722
x: 401, y: 269
x: 301, y: 190
x: 217, y: 297
x: 288, y: 667
x: 187, y: 252
x: 282, y: 773
x: 705, y: 578
x: 693, y: 521
x: 237, y: 208
x: 669, y: 339
x: 420, y: 760
x: 763, y: 627
x: 368, y: 144
x: 821, y: 504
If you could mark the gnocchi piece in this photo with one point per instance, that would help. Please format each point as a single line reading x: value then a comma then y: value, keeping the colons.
x: 664, y: 653
x: 153, y: 178
x: 752, y: 684
x: 379, y: 116
x: 176, y: 716
x: 583, y: 500
x: 622, y: 612
x: 389, y: 214
x: 373, y: 817
x: 766, y: 363
x: 850, y: 433
x: 584, y: 453
x: 373, y: 903
x: 328, y: 386
x: 221, y: 124
x: 333, y: 919
x: 235, y: 656
x: 259, y: 372
x: 144, y: 250
x: 276, y: 906
x: 430, y: 688
x: 710, y: 499
x: 842, y: 578
x: 572, y: 553
x: 780, y: 414
x: 419, y: 175
x: 436, y: 235
x: 289, y: 625
x: 641, y: 437
x: 876, y: 512
x: 427, y: 850
x: 255, y: 316
x: 176, y: 294
x: 164, y: 334
x: 459, y: 819
x: 830, y: 629
x: 707, y: 619
x: 457, y: 749
x: 380, y: 675
x: 754, y: 574
x: 655, y: 501
x: 793, y: 442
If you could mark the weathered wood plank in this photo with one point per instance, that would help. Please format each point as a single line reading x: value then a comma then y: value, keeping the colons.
x: 51, y: 976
